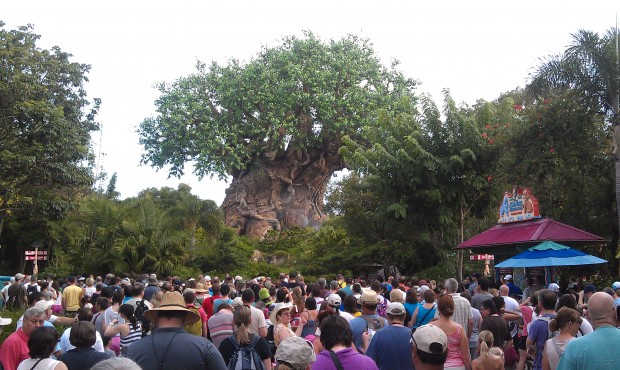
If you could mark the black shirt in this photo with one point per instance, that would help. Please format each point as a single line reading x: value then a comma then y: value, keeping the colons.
x: 227, y: 348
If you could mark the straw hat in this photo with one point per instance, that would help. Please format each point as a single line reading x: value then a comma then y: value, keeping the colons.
x: 200, y: 288
x: 173, y: 302
x: 274, y: 314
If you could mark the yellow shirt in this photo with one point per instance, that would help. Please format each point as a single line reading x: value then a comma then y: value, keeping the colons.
x: 72, y: 295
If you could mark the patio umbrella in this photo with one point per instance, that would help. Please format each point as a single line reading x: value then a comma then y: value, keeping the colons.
x: 549, y: 253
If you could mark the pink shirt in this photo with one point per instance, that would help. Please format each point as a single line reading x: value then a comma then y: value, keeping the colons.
x: 14, y: 350
x: 455, y: 358
x: 526, y: 311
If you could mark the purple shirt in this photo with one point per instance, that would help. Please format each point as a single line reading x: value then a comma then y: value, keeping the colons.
x: 539, y: 333
x: 349, y: 358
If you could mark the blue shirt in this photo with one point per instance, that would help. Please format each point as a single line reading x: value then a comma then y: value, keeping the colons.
x: 539, y: 333
x: 390, y: 348
x: 598, y: 350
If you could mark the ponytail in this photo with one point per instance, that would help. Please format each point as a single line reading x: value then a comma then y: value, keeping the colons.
x: 242, y: 317
x: 485, y: 341
x: 127, y: 310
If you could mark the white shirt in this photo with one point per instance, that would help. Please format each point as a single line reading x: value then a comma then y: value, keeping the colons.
x: 513, y: 306
x: 65, y: 344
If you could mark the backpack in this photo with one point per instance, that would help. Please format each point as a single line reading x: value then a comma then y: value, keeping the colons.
x: 245, y: 358
x: 195, y: 328
x: 31, y: 289
x: 373, y: 325
x: 550, y: 333
x: 271, y: 340
x: 382, y: 308
x: 141, y: 308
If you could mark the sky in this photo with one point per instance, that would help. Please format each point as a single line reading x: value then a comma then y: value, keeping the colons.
x: 478, y: 49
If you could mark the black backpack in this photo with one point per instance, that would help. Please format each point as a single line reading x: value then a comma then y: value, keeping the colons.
x: 31, y: 289
x: 245, y: 358
x: 141, y: 308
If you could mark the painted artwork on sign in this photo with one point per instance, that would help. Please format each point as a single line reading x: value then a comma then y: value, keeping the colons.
x: 518, y: 205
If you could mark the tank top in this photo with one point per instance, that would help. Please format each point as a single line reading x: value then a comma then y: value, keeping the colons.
x: 454, y: 358
x: 135, y: 333
x: 308, y: 329
x: 45, y: 364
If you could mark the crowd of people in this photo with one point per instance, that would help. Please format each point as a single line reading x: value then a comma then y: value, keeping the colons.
x: 287, y: 323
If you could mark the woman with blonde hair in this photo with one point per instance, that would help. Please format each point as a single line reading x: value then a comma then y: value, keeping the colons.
x: 567, y: 322
x: 458, y: 344
x: 242, y: 317
x: 487, y: 360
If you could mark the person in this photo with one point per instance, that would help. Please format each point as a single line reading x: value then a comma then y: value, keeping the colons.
x: 481, y: 293
x: 538, y: 333
x: 337, y: 339
x: 198, y: 328
x: 281, y: 319
x: 242, y: 316
x: 369, y: 322
x: 425, y: 312
x: 41, y: 345
x: 429, y: 348
x: 224, y: 298
x: 309, y: 316
x: 334, y: 301
x: 390, y: 348
x: 458, y: 344
x: 169, y: 345
x: 294, y: 353
x: 17, y: 295
x: 14, y: 349
x: 462, y: 308
x: 567, y: 322
x: 493, y: 322
x: 411, y: 303
x: 137, y: 295
x: 83, y: 356
x: 116, y: 363
x: 569, y: 300
x: 474, y: 283
x: 221, y: 325
x: 487, y: 360
x: 111, y: 314
x: 84, y: 314
x: 151, y: 288
x: 597, y: 350
x: 476, y: 321
x: 258, y: 325
x: 130, y: 330
x: 513, y: 290
x: 585, y: 295
x: 71, y: 297
x: 528, y: 313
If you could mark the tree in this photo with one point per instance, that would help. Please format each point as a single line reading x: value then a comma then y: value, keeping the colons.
x: 590, y: 67
x: 273, y: 125
x: 44, y: 130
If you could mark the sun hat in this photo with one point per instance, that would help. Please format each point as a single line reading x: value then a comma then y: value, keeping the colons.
x: 396, y: 309
x: 200, y: 288
x: 554, y: 287
x: 296, y: 352
x: 274, y: 314
x: 173, y: 302
x: 334, y: 300
x: 430, y: 339
x: 368, y: 298
x: 5, y: 321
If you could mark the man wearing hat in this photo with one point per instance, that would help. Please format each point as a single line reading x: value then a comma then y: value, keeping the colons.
x: 585, y: 295
x: 369, y: 322
x: 17, y: 296
x: 429, y: 347
x: 513, y: 290
x: 390, y: 347
x: 151, y: 288
x: 170, y: 346
x: 616, y: 287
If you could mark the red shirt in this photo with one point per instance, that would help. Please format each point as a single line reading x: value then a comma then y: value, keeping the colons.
x: 14, y: 350
x: 207, y: 305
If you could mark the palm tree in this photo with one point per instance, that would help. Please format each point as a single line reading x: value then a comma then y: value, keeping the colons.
x: 591, y: 67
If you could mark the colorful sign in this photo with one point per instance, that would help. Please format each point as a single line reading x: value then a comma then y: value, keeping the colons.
x: 520, y: 205
x: 32, y: 253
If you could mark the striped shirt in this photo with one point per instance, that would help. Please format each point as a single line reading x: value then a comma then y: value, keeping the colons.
x: 220, y: 326
x: 135, y: 333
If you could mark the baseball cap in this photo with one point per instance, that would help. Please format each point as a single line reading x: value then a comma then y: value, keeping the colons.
x: 334, y: 300
x: 616, y: 285
x: 554, y: 287
x: 589, y: 289
x: 423, y: 289
x: 19, y: 276
x: 572, y: 286
x: 368, y: 297
x: 237, y: 302
x: 508, y: 277
x: 207, y: 278
x: 430, y: 339
x: 44, y: 305
x: 296, y: 352
x: 396, y: 309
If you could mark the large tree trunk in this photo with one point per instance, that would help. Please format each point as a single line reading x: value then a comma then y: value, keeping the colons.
x: 278, y: 193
